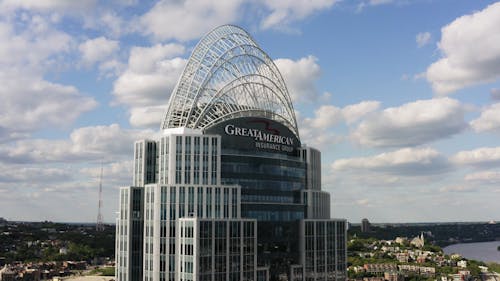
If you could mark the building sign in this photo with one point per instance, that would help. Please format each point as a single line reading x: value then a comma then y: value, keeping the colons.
x: 250, y: 133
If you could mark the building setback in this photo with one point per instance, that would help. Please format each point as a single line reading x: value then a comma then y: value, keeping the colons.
x: 227, y: 191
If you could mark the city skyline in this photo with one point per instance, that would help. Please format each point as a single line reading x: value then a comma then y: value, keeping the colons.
x: 400, y: 98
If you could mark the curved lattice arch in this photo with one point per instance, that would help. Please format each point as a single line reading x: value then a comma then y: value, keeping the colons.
x: 228, y: 76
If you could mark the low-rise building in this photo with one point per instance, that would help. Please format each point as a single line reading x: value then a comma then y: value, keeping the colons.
x: 401, y: 240
x: 427, y: 271
x: 7, y: 274
x: 30, y: 275
x: 380, y: 268
x: 402, y: 257
x: 421, y: 259
x: 420, y: 270
x: 393, y: 276
x: 373, y: 279
x: 418, y: 241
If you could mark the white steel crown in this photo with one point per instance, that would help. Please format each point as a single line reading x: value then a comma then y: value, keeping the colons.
x: 228, y: 76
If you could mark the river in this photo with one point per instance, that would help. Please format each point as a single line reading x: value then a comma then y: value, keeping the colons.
x: 481, y: 251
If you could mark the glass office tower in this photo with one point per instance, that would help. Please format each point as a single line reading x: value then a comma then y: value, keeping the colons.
x: 227, y: 191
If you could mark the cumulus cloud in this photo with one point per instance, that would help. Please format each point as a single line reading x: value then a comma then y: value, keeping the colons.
x: 145, y: 116
x: 145, y: 86
x: 108, y: 21
x: 43, y: 187
x: 300, y: 77
x: 97, y: 50
x: 46, y: 5
x: 115, y: 173
x: 411, y: 124
x: 197, y: 18
x: 328, y: 116
x: 34, y: 47
x: 364, y: 4
x: 403, y: 162
x: 95, y: 143
x: 470, y: 47
x: 379, y: 2
x: 32, y: 174
x: 489, y: 120
x: 111, y: 68
x: 71, y: 200
x: 484, y: 177
x: 353, y: 113
x: 457, y: 188
x: 284, y: 12
x: 323, y: 141
x: 101, y: 16
x: 30, y: 102
x: 483, y: 156
x: 422, y: 39
x: 365, y: 202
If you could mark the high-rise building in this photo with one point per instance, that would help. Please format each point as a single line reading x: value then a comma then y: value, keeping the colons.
x: 227, y: 191
x: 365, y: 225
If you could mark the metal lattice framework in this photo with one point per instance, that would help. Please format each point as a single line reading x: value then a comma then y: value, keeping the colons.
x: 228, y: 76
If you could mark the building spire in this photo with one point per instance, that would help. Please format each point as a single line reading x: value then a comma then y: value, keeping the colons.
x: 100, y: 226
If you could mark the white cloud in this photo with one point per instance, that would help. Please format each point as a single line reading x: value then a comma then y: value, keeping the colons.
x: 364, y: 4
x: 147, y: 59
x: 187, y: 19
x: 484, y: 156
x: 112, y: 67
x: 49, y: 191
x: 411, y: 124
x: 97, y: 143
x: 113, y: 24
x: 145, y: 116
x: 300, y: 77
x: 147, y: 83
x: 353, y: 113
x: 198, y: 17
x: 489, y: 119
x: 115, y: 173
x: 422, y: 39
x: 365, y: 202
x: 30, y: 104
x: 46, y: 5
x: 284, y: 12
x: 55, y: 192
x: 33, y: 48
x: 403, y: 162
x: 458, y: 188
x: 379, y: 2
x: 324, y: 140
x: 97, y: 50
x: 327, y: 116
x: 484, y: 177
x: 105, y: 18
x: 470, y: 47
x: 32, y: 174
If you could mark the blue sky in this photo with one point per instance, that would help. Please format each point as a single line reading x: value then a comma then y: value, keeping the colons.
x: 402, y: 98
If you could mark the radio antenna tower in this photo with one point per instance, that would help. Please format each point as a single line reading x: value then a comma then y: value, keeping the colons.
x: 100, y: 226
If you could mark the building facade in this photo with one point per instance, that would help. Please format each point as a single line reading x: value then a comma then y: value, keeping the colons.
x: 227, y: 191
x: 365, y: 225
